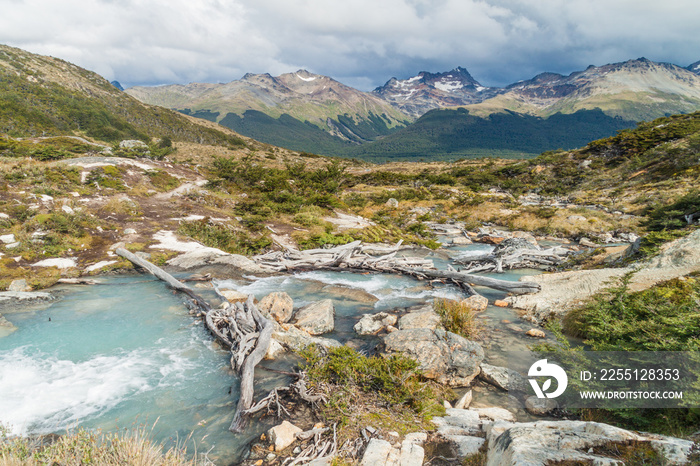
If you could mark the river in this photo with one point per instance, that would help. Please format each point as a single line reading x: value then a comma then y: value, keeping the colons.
x: 126, y: 353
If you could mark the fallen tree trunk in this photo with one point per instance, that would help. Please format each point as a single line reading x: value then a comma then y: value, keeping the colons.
x: 478, y: 280
x: 163, y: 275
x: 245, y: 401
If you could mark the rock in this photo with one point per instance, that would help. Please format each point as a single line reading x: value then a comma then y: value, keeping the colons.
x: 463, y: 422
x: 585, y: 242
x: 68, y: 210
x: 540, y: 406
x: 489, y: 239
x: 553, y: 442
x: 501, y: 303
x: 576, y: 218
x: 316, y: 318
x: 535, y: 333
x: 8, y: 239
x: 132, y: 144
x: 298, y: 339
x: 233, y: 296
x: 370, y: 324
x: 446, y: 404
x: 418, y: 438
x: 616, y: 253
x: 279, y: 305
x: 129, y: 231
x: 6, y: 327
x: 274, y: 350
x: 377, y: 453
x: 494, y: 413
x: 461, y: 241
x: 392, y: 203
x: 351, y: 294
x: 503, y: 378
x: 19, y: 285
x: 283, y: 435
x: 466, y: 445
x: 465, y: 400
x: 424, y: 317
x: 412, y: 454
x: 443, y: 356
x: 476, y: 303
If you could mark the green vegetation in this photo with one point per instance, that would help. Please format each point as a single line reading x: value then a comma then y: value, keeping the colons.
x: 455, y: 133
x: 224, y: 237
x: 35, y: 104
x: 389, y: 393
x: 85, y: 447
x: 679, y: 214
x: 661, y: 318
x: 457, y: 317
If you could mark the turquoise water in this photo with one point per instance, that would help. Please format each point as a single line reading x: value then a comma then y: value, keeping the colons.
x: 127, y: 352
x: 116, y: 355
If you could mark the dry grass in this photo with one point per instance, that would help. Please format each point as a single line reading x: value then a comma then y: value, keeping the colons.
x: 457, y: 317
x: 84, y: 447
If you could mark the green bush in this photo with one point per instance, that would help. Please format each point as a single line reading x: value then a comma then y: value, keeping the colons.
x: 223, y: 237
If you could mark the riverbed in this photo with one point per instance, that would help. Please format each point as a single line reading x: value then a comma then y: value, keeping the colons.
x: 127, y: 352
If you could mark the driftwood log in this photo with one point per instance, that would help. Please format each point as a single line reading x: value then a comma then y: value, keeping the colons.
x: 353, y: 257
x: 514, y: 253
x: 241, y: 328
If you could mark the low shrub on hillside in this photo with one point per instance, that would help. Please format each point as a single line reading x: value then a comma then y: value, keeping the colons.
x: 223, y: 237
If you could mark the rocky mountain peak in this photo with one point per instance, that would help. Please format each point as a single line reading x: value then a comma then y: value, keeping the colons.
x: 694, y: 67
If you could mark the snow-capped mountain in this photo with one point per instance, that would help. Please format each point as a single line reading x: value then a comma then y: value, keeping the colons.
x: 427, y: 91
x: 695, y: 67
x: 634, y: 90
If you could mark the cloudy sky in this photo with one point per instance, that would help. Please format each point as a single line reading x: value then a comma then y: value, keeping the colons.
x: 362, y: 43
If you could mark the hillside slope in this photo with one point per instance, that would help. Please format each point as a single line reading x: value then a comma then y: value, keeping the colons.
x: 46, y: 96
x: 293, y: 107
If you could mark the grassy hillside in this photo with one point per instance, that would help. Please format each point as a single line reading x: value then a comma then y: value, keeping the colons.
x: 45, y: 96
x: 455, y: 133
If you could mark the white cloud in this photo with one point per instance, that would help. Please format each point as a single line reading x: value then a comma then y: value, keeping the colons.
x: 358, y: 41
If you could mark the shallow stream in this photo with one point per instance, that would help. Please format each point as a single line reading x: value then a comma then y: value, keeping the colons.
x: 126, y: 352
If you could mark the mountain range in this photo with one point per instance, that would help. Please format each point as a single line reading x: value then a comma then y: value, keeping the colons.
x: 315, y: 113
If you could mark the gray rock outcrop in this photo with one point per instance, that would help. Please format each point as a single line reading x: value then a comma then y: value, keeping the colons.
x: 443, y: 356
x: 548, y: 442
x: 316, y: 318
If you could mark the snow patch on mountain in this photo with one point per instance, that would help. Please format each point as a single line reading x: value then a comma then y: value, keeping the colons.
x: 312, y: 78
x: 448, y: 86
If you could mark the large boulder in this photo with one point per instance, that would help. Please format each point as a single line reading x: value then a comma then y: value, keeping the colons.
x: 444, y: 356
x: 370, y: 324
x: 233, y: 296
x: 580, y: 442
x: 424, y: 317
x: 316, y: 318
x: 278, y: 305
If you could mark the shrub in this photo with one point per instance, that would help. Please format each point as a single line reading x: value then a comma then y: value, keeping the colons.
x: 223, y: 237
x: 456, y: 317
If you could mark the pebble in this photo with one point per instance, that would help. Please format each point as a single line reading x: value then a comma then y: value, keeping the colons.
x: 536, y: 333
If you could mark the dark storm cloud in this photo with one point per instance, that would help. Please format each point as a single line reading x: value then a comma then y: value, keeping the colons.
x: 359, y: 42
